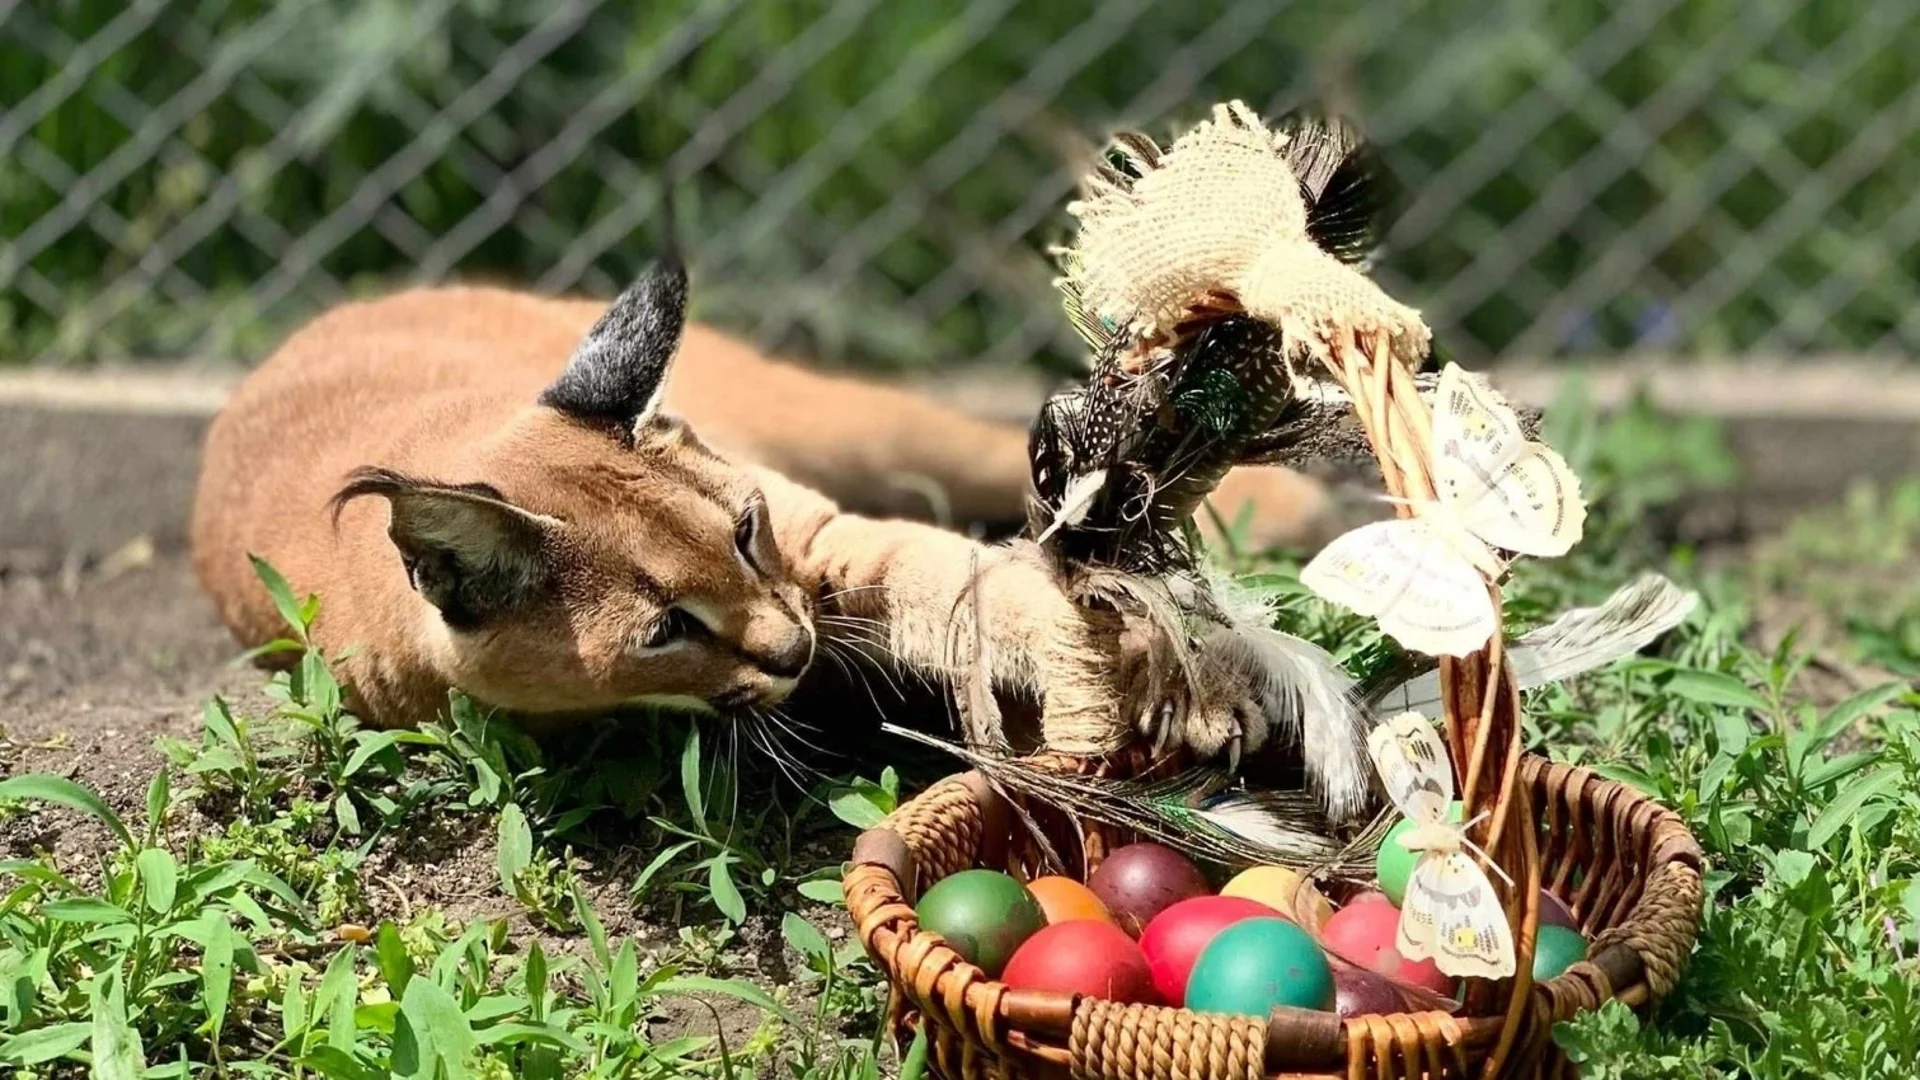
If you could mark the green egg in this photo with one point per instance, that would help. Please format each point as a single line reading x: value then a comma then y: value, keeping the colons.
x: 1256, y: 964
x: 1395, y: 864
x: 983, y: 914
x: 1555, y: 949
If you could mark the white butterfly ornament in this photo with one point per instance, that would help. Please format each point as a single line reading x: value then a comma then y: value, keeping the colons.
x: 1450, y: 913
x: 1425, y: 577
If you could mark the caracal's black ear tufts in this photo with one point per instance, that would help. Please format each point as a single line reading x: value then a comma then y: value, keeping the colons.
x: 619, y: 370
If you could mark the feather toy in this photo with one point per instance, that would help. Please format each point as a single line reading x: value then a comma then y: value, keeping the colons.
x: 1121, y: 462
x: 1199, y: 812
x: 1577, y: 642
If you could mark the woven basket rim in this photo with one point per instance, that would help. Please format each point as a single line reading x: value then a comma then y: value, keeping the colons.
x: 1633, y: 960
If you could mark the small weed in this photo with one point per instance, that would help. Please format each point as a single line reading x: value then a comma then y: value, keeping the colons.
x: 712, y: 858
x: 229, y: 763
x: 545, y: 886
x: 863, y: 803
x: 325, y: 877
x: 844, y: 977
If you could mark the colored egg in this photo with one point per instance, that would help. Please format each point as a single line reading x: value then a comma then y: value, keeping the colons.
x: 1063, y: 899
x: 1140, y: 881
x: 1555, y: 949
x: 1283, y: 889
x: 1274, y: 886
x: 1257, y: 964
x: 1363, y: 935
x: 1424, y: 974
x: 1553, y: 912
x: 1082, y: 956
x: 983, y: 914
x: 1394, y: 864
x: 1176, y: 937
x: 1359, y: 992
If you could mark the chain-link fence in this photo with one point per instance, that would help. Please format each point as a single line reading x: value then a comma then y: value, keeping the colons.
x: 875, y: 181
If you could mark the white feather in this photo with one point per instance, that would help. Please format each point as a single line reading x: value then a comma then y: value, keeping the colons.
x: 1306, y: 695
x: 1075, y: 502
x: 1573, y: 644
x: 1254, y: 821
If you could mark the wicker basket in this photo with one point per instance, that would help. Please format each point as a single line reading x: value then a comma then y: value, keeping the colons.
x: 1627, y: 868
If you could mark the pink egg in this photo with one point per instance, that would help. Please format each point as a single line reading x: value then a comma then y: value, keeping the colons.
x: 1176, y: 937
x: 1422, y: 973
x: 1363, y: 935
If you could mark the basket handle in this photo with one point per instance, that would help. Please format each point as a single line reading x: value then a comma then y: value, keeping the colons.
x: 1481, y: 703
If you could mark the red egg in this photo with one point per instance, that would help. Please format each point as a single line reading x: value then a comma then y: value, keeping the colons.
x: 1140, y: 881
x: 1082, y: 956
x: 1175, y: 937
x: 1363, y: 935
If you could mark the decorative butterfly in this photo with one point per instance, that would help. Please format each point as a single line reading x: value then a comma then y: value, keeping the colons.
x: 1451, y: 913
x: 1425, y: 577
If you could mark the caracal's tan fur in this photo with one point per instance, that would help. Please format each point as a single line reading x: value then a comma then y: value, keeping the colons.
x: 595, y: 530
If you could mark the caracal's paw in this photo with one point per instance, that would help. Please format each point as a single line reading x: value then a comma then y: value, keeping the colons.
x: 1215, y: 715
x: 1018, y: 631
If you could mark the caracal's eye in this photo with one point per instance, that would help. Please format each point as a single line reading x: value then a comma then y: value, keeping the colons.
x: 677, y: 624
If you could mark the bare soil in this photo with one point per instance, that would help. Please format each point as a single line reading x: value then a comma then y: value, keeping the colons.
x: 97, y: 662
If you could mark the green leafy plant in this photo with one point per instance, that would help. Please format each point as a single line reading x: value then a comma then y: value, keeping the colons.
x: 712, y: 857
x: 545, y: 886
x: 845, y: 1000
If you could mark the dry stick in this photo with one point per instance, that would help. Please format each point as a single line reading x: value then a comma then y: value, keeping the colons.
x: 1354, y: 380
x: 1524, y: 941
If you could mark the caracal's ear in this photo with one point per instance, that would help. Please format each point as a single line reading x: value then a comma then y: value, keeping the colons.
x: 618, y: 371
x: 467, y: 550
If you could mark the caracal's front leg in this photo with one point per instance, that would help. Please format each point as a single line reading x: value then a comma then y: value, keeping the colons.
x: 947, y: 606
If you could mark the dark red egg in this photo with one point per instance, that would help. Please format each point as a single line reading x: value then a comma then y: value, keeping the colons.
x: 1363, y: 934
x: 1555, y: 913
x: 1140, y: 881
x: 1175, y: 937
x: 1359, y: 992
x: 1083, y: 956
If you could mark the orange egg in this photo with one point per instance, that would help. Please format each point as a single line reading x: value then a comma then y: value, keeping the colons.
x: 1063, y: 899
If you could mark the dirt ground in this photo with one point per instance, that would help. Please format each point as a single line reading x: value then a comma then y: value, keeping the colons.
x: 97, y: 663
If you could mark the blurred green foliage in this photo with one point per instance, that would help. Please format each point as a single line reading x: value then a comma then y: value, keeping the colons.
x: 842, y: 169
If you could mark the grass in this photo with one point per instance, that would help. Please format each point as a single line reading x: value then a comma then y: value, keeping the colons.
x: 232, y: 926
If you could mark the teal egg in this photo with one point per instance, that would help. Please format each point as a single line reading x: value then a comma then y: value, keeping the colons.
x: 1555, y: 949
x: 1394, y: 864
x: 1256, y: 964
x: 984, y: 914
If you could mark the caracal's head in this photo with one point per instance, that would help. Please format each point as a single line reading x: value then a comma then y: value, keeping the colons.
x: 596, y: 554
